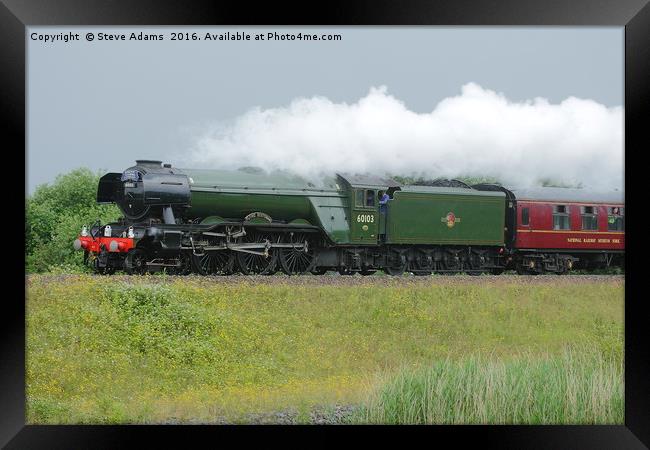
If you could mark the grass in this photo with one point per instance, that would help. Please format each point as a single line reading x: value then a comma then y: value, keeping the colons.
x: 574, y: 388
x: 158, y: 349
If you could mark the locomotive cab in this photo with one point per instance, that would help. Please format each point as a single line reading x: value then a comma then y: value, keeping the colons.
x: 367, y: 222
x: 146, y: 189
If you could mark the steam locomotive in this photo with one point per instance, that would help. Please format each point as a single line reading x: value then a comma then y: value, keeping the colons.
x: 219, y: 222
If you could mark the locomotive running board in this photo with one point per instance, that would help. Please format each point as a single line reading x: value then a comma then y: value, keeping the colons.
x: 246, y: 247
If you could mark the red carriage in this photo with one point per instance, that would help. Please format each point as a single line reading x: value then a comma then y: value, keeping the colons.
x: 558, y: 229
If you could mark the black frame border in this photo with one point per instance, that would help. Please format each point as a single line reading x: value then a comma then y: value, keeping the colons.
x: 634, y: 15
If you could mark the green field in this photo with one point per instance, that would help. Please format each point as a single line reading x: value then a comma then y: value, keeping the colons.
x: 437, y: 349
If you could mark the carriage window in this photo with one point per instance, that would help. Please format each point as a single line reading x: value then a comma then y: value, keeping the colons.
x: 524, y: 216
x: 561, y: 218
x: 589, y: 218
x: 370, y: 198
x: 615, y: 219
x: 358, y: 197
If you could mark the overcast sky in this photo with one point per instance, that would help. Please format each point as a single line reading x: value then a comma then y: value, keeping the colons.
x: 103, y: 104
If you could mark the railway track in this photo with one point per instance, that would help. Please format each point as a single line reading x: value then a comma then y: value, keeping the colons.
x: 356, y: 280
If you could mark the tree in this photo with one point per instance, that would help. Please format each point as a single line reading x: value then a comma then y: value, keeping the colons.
x: 54, y: 216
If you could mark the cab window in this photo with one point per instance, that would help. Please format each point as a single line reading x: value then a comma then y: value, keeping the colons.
x: 370, y: 198
x: 359, y: 197
x: 365, y: 198
x: 525, y: 219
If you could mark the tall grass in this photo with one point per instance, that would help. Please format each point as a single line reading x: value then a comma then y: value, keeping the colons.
x: 573, y: 388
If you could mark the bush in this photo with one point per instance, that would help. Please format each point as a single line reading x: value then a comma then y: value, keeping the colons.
x: 54, y: 215
x: 157, y: 322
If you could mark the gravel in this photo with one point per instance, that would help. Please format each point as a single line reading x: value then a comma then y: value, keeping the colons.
x: 353, y: 280
x: 320, y: 415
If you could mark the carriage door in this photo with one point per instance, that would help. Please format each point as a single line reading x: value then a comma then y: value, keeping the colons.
x: 365, y: 216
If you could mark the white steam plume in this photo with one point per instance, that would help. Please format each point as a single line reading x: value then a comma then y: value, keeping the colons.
x: 479, y: 133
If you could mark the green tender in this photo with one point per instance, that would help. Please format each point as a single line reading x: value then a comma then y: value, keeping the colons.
x: 421, y: 215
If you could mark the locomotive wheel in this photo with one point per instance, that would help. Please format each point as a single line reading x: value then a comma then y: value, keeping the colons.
x: 98, y: 270
x: 215, y: 262
x: 250, y: 263
x: 366, y: 272
x: 185, y: 267
x: 397, y: 269
x: 135, y: 262
x: 451, y: 265
x: 422, y: 265
x: 295, y: 261
x: 107, y: 270
x: 473, y: 264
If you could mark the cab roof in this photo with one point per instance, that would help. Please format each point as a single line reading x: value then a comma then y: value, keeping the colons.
x: 368, y: 181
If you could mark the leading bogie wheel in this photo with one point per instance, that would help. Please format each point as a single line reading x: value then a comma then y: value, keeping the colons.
x: 102, y: 270
x: 184, y: 264
x: 135, y: 262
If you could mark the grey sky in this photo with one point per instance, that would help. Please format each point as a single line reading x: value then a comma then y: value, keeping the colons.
x: 103, y: 104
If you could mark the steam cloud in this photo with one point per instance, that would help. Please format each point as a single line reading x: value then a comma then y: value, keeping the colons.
x: 478, y: 133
